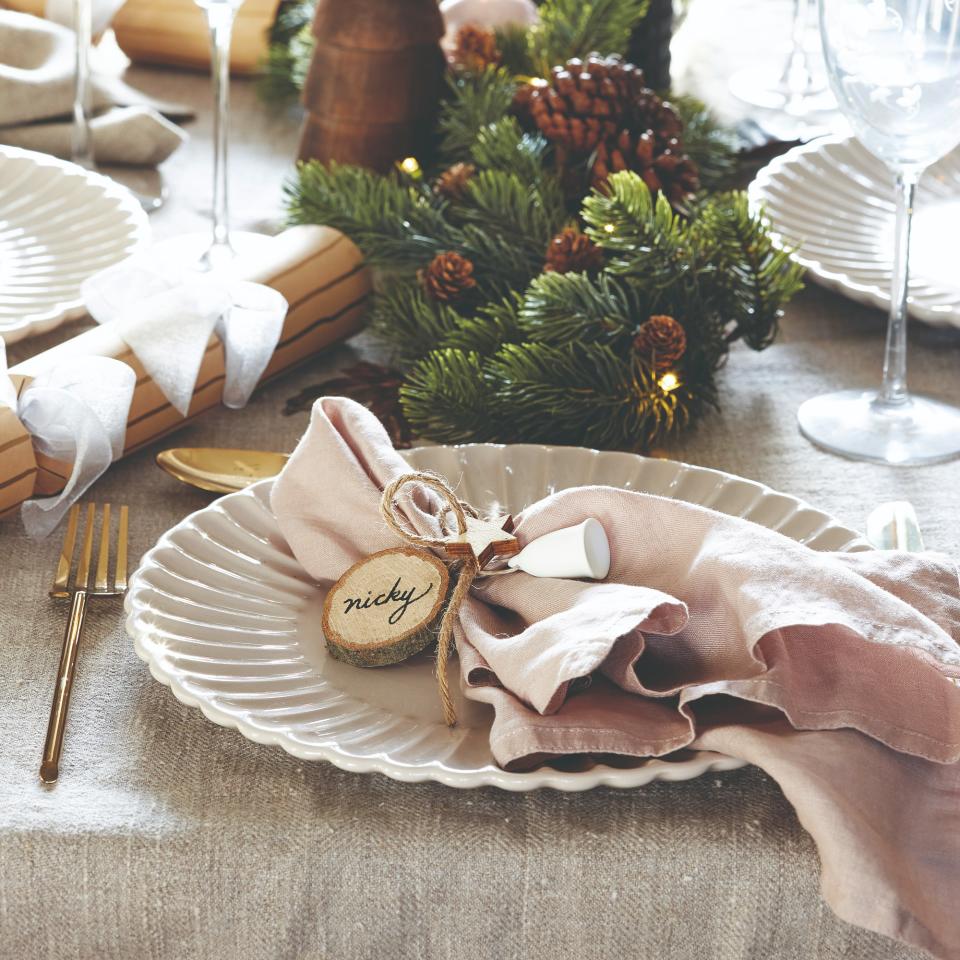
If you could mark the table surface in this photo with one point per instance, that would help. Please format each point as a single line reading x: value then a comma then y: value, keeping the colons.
x: 168, y: 836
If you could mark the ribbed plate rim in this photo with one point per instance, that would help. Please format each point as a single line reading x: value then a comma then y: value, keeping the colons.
x: 130, y: 216
x: 567, y: 781
x: 819, y: 270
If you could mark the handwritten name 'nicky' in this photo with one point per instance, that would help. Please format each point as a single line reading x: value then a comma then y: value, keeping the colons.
x: 403, y: 598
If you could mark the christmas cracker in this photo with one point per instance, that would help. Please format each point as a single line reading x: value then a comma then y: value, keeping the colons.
x: 317, y: 269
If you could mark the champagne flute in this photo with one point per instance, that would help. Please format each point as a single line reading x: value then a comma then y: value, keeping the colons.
x: 894, y: 66
x: 223, y: 245
x: 81, y: 136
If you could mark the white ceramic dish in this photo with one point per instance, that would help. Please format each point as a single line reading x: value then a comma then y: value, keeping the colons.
x: 833, y: 201
x: 59, y: 224
x: 227, y: 618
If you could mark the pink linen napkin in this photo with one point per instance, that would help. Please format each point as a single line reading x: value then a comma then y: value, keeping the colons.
x: 835, y: 673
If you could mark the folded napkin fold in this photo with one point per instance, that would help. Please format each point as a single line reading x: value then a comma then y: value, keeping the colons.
x: 36, y: 99
x: 836, y: 673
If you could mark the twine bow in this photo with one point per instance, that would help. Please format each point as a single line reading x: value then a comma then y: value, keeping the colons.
x: 466, y: 570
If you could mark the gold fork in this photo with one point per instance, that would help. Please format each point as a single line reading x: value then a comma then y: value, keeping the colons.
x: 79, y: 590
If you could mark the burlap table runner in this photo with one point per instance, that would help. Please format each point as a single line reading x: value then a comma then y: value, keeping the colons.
x: 169, y: 837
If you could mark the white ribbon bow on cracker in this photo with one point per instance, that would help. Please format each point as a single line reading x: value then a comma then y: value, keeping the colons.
x: 76, y: 412
x: 167, y: 313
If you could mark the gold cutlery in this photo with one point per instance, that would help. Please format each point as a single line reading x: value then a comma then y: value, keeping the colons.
x: 218, y: 470
x: 79, y: 590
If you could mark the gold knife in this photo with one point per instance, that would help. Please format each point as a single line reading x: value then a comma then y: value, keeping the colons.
x: 220, y: 470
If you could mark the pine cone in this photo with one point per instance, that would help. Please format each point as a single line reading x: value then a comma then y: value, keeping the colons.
x: 570, y: 250
x: 584, y: 101
x: 668, y: 168
x: 452, y: 183
x: 661, y: 341
x: 476, y: 49
x: 447, y: 277
x: 598, y: 112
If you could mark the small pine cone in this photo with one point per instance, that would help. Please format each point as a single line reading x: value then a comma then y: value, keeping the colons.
x: 661, y: 341
x: 447, y: 277
x: 584, y: 101
x: 476, y: 49
x: 452, y: 183
x: 570, y: 250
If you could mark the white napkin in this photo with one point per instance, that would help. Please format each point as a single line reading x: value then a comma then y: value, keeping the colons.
x: 36, y: 84
x: 167, y: 313
x: 76, y: 412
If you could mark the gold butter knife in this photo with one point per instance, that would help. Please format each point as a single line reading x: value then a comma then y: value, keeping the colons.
x: 220, y: 470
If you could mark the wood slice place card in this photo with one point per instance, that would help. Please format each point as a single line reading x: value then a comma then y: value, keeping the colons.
x: 382, y: 609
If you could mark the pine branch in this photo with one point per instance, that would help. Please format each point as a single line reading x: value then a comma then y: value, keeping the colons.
x: 574, y: 28
x: 710, y: 145
x: 502, y: 261
x: 580, y: 394
x: 749, y: 278
x: 514, y: 50
x: 504, y: 146
x: 509, y: 208
x: 392, y: 223
x: 493, y: 325
x: 476, y: 100
x: 283, y: 71
x: 445, y: 398
x: 275, y: 84
x: 292, y: 16
x: 645, y: 237
x: 575, y: 308
x: 410, y: 322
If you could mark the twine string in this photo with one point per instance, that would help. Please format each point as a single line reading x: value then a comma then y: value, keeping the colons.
x: 466, y: 571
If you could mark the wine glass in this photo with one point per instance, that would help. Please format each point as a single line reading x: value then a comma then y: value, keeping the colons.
x: 81, y: 137
x: 798, y: 88
x: 894, y: 66
x: 222, y: 245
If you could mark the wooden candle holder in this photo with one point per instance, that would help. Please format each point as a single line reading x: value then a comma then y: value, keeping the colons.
x: 374, y: 84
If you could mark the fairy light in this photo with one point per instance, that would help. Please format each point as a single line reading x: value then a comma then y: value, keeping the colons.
x: 410, y: 166
x: 609, y: 227
x: 668, y: 382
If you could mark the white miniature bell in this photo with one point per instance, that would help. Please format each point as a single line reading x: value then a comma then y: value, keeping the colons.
x: 573, y: 552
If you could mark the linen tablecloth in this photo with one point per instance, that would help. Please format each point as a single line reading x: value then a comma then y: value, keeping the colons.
x: 169, y: 837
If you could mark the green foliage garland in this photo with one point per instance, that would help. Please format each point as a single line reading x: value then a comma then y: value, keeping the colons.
x: 533, y: 356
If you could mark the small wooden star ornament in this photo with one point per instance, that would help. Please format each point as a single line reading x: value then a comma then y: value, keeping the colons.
x: 484, y: 539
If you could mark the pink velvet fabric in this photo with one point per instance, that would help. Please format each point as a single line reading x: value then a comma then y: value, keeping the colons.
x: 836, y: 673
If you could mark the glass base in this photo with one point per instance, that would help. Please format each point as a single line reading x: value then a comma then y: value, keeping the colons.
x: 766, y: 88
x: 856, y: 424
x: 197, y: 250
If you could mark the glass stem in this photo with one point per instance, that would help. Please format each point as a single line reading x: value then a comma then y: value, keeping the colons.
x: 220, y: 18
x: 893, y: 391
x: 81, y: 137
x: 796, y: 74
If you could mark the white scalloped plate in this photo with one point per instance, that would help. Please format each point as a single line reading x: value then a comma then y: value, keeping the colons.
x: 832, y: 202
x: 226, y: 617
x: 59, y: 224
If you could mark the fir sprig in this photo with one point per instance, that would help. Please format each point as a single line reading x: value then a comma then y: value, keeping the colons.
x: 574, y: 28
x: 643, y: 233
x: 446, y: 397
x: 474, y: 102
x: 573, y: 307
x: 393, y: 223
